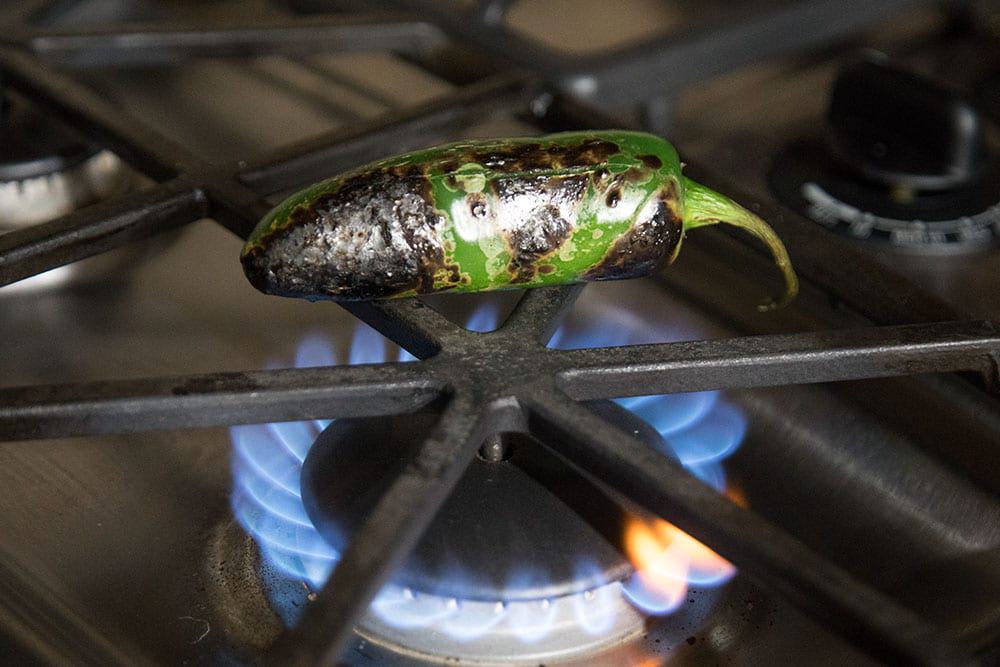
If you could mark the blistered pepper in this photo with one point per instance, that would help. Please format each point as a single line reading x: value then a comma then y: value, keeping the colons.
x: 493, y: 214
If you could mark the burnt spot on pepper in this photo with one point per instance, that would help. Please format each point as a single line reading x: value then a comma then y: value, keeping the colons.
x: 535, y: 156
x: 614, y: 196
x: 636, y: 174
x: 561, y: 190
x: 517, y: 157
x: 478, y: 206
x: 647, y: 245
x: 651, y: 161
x: 407, y: 171
x: 543, y: 232
x: 600, y: 177
x: 449, y: 277
x: 376, y: 236
x: 591, y: 151
x: 567, y: 191
x: 544, y: 228
x: 452, y: 164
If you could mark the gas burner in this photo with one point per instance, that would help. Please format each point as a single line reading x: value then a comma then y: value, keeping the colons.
x: 507, y: 556
x: 46, y: 169
x: 530, y: 505
x: 906, y: 162
x: 527, y: 560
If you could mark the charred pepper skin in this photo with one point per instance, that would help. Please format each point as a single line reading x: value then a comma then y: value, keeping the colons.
x: 491, y: 214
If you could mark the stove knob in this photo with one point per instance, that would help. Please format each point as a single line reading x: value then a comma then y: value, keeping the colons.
x: 902, y: 130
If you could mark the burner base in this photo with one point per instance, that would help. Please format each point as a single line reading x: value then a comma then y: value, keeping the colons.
x: 522, y: 529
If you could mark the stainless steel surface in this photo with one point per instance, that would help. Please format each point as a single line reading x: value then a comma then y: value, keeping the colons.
x: 133, y: 537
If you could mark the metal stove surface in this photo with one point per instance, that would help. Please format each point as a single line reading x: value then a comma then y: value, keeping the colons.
x: 134, y: 534
x: 120, y: 548
x: 742, y: 122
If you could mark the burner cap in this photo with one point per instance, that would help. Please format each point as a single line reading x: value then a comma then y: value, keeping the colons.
x: 524, y: 528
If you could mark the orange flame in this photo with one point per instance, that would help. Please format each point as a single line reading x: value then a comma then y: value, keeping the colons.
x: 667, y: 559
x: 735, y: 494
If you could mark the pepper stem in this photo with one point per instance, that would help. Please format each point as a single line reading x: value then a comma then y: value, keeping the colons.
x: 703, y: 206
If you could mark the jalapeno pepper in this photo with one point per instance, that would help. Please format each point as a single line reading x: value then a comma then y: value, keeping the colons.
x: 492, y: 214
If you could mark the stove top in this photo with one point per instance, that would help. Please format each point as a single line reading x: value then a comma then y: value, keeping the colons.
x: 632, y: 473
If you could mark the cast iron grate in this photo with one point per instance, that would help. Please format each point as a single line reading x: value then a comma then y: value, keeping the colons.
x: 506, y: 380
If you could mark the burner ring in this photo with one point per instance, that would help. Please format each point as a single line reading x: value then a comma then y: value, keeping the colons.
x: 504, y: 535
x: 47, y: 169
x: 36, y: 145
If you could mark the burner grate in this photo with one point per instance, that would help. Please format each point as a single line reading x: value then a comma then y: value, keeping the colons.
x: 506, y: 380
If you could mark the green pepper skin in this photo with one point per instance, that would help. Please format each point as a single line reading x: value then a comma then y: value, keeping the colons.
x: 490, y: 214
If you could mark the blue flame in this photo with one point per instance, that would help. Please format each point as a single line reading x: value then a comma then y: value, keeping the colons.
x: 530, y: 621
x: 596, y: 609
x: 267, y: 499
x: 464, y: 619
x: 403, y: 608
x: 484, y: 318
x: 651, y: 599
x: 700, y: 429
x: 315, y: 350
x: 267, y: 464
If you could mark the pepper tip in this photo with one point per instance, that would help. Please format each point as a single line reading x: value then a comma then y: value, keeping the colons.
x: 707, y: 207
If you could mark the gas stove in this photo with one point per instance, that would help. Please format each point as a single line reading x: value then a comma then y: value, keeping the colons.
x: 633, y: 473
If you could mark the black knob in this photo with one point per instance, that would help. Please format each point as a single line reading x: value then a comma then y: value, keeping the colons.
x: 903, y: 130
